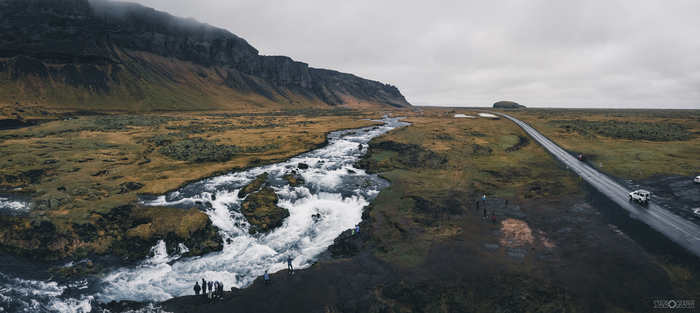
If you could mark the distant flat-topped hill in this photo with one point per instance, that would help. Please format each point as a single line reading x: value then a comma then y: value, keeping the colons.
x: 111, y: 55
x: 508, y: 105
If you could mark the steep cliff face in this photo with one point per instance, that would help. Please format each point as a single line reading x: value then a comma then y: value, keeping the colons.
x: 100, y: 48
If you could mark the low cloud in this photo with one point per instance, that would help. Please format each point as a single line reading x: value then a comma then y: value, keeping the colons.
x: 614, y: 53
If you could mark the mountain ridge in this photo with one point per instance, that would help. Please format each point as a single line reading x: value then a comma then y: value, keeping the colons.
x: 77, y: 51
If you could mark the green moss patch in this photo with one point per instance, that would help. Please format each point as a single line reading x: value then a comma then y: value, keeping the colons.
x: 261, y: 210
x: 254, y: 185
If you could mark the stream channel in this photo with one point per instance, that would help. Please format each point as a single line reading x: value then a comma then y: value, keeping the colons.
x: 334, y: 189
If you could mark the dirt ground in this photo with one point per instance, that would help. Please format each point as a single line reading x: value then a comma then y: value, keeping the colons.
x: 550, y: 254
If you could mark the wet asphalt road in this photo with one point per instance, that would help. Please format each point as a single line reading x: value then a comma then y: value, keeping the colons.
x: 676, y: 228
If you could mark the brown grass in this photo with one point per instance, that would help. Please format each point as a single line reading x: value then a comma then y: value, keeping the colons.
x: 630, y: 159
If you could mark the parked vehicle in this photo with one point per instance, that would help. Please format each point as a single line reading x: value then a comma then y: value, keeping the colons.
x: 697, y: 180
x: 582, y: 157
x: 641, y: 196
x: 696, y: 212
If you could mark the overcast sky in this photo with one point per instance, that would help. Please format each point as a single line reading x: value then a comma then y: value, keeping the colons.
x: 556, y: 53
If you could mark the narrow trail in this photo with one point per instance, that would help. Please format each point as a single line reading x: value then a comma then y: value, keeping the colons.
x: 681, y: 231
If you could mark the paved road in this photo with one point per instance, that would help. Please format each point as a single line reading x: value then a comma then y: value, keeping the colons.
x: 674, y: 227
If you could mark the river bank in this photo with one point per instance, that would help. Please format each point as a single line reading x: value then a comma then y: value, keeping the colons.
x: 557, y: 244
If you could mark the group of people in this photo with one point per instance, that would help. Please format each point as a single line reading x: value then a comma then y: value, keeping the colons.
x: 493, y: 215
x: 215, y: 288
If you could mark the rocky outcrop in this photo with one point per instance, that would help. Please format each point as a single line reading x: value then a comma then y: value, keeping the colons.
x: 508, y: 105
x: 260, y: 206
x: 261, y: 210
x: 253, y: 186
x: 125, y: 231
x: 96, y: 45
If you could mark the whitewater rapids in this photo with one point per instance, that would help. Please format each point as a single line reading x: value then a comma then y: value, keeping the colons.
x: 333, y: 188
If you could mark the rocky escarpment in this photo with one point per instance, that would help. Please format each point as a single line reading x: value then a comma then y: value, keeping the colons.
x: 102, y: 46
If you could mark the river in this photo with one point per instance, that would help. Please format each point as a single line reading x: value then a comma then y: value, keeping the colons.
x: 334, y: 189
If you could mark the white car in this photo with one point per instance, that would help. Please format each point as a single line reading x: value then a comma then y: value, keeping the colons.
x: 641, y: 196
x: 696, y: 212
x: 697, y: 180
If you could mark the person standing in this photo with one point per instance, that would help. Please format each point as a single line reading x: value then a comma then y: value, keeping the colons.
x: 483, y: 199
x: 204, y: 288
x: 494, y: 218
x: 477, y: 205
x: 196, y: 290
x: 266, y: 277
x: 484, y: 213
x: 357, y: 228
x: 210, y: 284
x: 221, y: 290
x: 290, y: 269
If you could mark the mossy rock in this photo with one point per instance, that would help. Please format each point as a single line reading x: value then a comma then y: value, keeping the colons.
x: 174, y: 226
x: 253, y: 186
x: 29, y: 238
x: 261, y: 210
x: 164, y: 220
x: 293, y: 180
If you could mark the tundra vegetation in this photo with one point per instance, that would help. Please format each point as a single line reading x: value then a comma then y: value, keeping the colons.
x: 630, y: 144
x: 548, y: 243
x: 84, y: 170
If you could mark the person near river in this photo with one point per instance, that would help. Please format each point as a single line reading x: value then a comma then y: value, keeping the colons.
x: 204, y: 288
x: 290, y: 268
x: 197, y: 289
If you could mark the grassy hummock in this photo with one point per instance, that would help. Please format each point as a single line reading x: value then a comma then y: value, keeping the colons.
x: 261, y: 210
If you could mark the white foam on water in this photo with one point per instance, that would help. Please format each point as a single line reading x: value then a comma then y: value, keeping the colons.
x: 10, y: 204
x: 334, y: 189
x: 182, y: 248
x: 24, y: 295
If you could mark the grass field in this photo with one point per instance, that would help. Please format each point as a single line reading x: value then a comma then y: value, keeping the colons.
x: 547, y: 239
x: 630, y: 144
x: 78, y: 170
x: 440, y: 165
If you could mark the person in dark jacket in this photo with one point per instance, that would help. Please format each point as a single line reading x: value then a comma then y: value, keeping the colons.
x: 204, y: 288
x: 289, y: 265
x: 197, y: 289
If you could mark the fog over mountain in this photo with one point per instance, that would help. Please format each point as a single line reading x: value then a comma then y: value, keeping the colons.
x: 114, y: 55
x: 617, y: 53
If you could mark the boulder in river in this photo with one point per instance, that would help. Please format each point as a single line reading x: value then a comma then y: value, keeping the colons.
x: 253, y: 186
x: 261, y: 210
